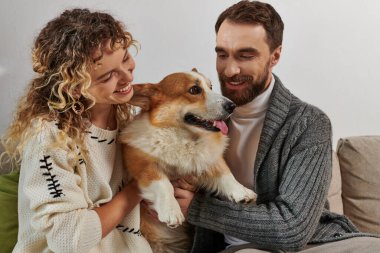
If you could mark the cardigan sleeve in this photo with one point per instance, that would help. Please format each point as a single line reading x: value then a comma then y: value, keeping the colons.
x: 54, y: 190
x: 290, y: 219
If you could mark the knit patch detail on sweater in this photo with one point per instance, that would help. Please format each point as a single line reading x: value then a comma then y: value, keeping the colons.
x: 125, y: 229
x: 81, y: 160
x: 53, y: 184
x: 100, y: 140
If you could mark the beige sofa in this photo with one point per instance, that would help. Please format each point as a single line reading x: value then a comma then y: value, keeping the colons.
x: 355, y: 184
x: 356, y: 163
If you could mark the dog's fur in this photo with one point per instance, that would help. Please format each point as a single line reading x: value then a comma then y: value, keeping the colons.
x: 180, y: 132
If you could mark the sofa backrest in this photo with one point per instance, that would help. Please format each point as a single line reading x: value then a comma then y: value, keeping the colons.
x: 335, y: 191
x: 359, y: 162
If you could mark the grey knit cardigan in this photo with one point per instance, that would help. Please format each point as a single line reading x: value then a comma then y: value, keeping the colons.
x: 292, y: 175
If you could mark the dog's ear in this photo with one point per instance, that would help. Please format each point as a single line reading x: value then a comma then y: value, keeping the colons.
x: 194, y: 70
x: 142, y: 95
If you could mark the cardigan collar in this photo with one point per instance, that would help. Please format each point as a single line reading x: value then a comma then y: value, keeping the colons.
x: 278, y: 109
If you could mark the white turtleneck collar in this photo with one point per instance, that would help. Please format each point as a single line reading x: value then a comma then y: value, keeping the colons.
x: 245, y: 128
x: 254, y: 108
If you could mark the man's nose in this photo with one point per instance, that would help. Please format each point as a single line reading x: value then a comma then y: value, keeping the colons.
x: 232, y: 69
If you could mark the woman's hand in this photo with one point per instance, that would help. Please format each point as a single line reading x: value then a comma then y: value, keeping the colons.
x: 183, y: 192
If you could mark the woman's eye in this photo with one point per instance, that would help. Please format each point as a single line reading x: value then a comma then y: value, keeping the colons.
x: 126, y: 58
x: 107, y: 78
x: 195, y: 90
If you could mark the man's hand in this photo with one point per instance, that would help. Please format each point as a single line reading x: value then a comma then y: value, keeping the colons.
x: 184, y: 193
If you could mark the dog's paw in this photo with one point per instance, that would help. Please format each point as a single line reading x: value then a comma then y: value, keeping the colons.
x: 171, y: 215
x: 243, y: 195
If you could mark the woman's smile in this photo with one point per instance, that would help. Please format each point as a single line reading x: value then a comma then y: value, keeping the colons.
x: 125, y: 90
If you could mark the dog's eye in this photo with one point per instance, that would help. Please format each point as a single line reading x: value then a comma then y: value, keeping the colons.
x: 195, y: 90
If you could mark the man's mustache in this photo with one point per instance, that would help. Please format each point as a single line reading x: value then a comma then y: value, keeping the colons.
x: 236, y: 78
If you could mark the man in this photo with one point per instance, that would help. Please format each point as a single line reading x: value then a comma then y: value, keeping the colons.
x: 280, y: 146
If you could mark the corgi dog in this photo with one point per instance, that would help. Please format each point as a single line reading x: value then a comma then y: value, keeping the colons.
x: 180, y: 132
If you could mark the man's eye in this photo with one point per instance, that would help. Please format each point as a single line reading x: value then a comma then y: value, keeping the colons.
x: 195, y: 90
x: 247, y: 57
x: 222, y: 56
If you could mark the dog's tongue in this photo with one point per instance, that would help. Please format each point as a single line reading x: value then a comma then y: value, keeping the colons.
x: 222, y: 126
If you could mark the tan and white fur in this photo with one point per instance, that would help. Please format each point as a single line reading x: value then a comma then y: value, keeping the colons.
x: 180, y: 132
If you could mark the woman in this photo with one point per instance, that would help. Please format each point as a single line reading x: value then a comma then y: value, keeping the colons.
x: 74, y: 195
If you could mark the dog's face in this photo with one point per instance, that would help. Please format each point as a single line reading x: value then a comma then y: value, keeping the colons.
x: 184, y: 99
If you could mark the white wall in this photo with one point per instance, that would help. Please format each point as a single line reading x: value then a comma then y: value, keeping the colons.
x: 330, y: 49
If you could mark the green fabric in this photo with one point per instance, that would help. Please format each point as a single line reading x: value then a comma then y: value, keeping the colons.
x: 8, y: 211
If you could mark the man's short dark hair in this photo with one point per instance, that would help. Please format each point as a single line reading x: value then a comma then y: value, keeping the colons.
x: 255, y: 13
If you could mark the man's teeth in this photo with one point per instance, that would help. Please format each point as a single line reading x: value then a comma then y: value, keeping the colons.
x: 235, y: 83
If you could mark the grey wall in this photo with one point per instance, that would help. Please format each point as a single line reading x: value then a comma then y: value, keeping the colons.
x: 330, y: 49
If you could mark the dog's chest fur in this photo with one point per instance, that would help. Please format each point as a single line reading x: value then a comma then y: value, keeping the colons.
x: 175, y: 148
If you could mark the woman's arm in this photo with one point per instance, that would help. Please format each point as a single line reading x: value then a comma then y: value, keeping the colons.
x: 111, y: 213
x: 53, y: 193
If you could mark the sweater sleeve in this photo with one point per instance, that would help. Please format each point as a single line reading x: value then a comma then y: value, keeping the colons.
x: 54, y: 190
x: 290, y: 219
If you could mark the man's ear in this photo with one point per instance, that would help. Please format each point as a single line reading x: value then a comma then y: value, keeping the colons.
x: 275, y: 56
x: 142, y: 95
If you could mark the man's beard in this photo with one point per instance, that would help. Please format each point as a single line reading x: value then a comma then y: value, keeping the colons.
x: 255, y: 87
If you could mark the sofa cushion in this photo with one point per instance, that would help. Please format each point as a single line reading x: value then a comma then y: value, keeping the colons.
x: 8, y: 211
x: 335, y: 191
x: 359, y: 159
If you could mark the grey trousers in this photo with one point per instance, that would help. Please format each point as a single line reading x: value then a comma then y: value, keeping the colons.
x: 351, y: 245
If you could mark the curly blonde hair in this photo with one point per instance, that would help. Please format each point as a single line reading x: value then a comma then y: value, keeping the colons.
x: 62, y: 57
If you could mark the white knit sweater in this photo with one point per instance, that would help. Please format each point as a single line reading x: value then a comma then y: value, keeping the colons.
x: 58, y: 191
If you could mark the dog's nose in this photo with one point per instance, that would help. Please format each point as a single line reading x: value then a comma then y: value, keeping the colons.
x: 229, y: 106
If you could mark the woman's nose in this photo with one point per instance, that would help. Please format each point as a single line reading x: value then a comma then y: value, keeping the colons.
x: 127, y: 70
x: 127, y: 75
